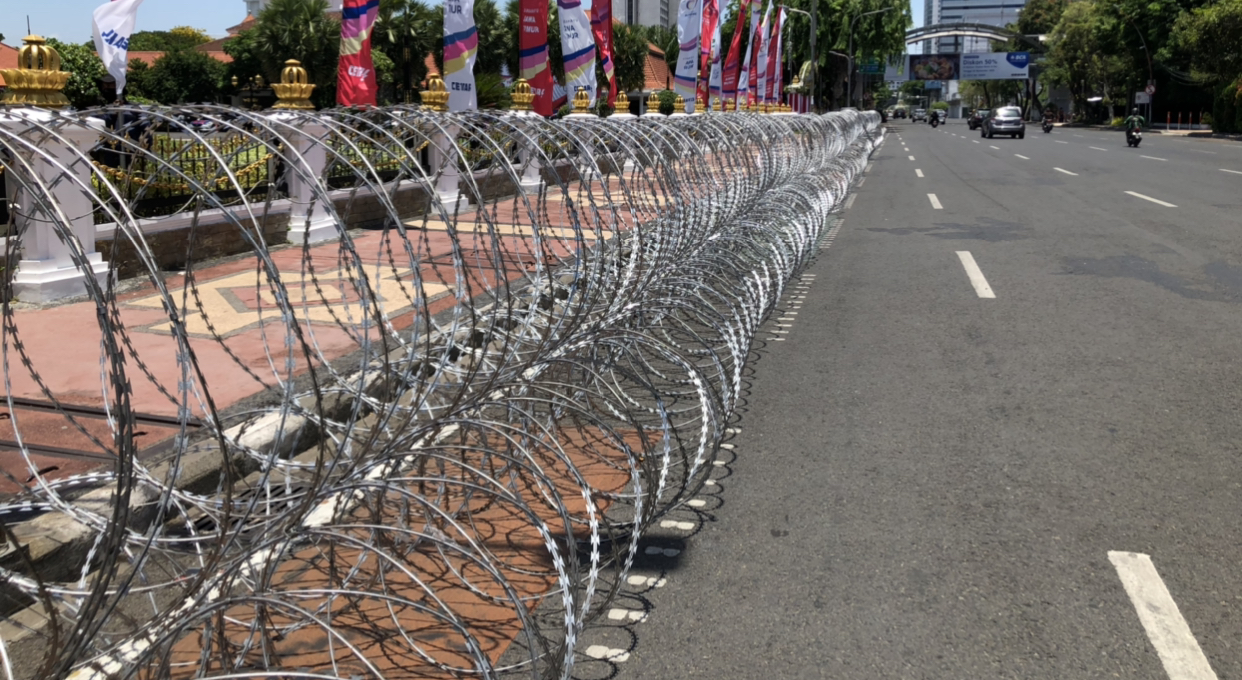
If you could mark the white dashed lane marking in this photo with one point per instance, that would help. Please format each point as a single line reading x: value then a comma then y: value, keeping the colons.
x: 1061, y: 142
x: 1169, y: 633
x: 603, y: 652
x: 1066, y: 172
x: 1097, y: 148
x: 920, y: 172
x: 994, y: 147
x: 1149, y: 198
x: 1022, y: 157
x: 912, y: 158
x: 935, y: 202
x: 1232, y: 172
x: 1153, y: 158
x: 982, y: 289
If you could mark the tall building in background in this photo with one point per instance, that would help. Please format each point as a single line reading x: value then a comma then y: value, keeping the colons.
x: 645, y: 12
x: 993, y: 12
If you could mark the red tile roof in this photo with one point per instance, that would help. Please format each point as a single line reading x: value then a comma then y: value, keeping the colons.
x: 8, y: 59
x: 655, y: 70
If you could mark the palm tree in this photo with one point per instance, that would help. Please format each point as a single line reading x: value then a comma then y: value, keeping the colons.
x: 301, y: 29
x: 407, y: 31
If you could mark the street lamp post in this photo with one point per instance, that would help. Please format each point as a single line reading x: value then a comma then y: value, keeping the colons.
x: 849, y: 87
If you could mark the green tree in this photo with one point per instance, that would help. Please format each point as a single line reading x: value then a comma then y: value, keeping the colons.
x: 630, y: 56
x: 179, y: 38
x: 136, y: 80
x: 299, y: 29
x: 82, y: 89
x: 1208, y: 38
x: 406, y: 31
x: 1083, y: 57
x: 184, y: 77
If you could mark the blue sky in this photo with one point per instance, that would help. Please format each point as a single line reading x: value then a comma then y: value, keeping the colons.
x: 70, y: 20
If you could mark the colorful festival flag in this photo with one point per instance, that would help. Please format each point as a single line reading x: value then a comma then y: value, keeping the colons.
x: 577, y: 47
x: 461, y: 48
x: 601, y: 26
x: 744, y: 90
x: 113, y: 24
x: 533, y: 53
x: 689, y: 23
x: 355, y: 76
x: 773, y: 93
x: 730, y: 74
x: 761, y: 61
x: 711, y: 17
x: 714, y: 78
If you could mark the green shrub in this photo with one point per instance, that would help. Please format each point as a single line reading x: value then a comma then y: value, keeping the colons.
x: 1227, y: 109
x: 940, y: 106
x: 668, y: 101
x: 1118, y: 121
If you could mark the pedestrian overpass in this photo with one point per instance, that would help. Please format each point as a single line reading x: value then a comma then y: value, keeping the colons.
x: 966, y: 30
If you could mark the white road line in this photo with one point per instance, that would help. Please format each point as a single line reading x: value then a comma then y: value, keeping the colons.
x: 912, y: 158
x: 1149, y: 198
x: 1066, y: 172
x: 1078, y: 135
x: 1022, y: 157
x: 860, y: 182
x: 1180, y: 653
x: 920, y: 172
x: 1097, y: 148
x: 935, y: 202
x: 976, y: 276
x: 1153, y: 158
x: 849, y: 202
x: 1208, y: 152
x: 994, y: 147
x: 1061, y: 142
x: 976, y: 141
x: 1232, y: 172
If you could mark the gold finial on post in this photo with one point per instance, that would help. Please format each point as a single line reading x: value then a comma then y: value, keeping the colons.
x: 582, y: 101
x: 523, y: 96
x: 37, y: 80
x: 435, y: 97
x: 653, y: 103
x: 623, y: 101
x: 293, y: 90
x: 679, y: 104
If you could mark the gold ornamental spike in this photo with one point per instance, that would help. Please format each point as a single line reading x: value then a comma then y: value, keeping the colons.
x: 435, y: 97
x: 653, y: 103
x: 523, y: 96
x: 623, y: 101
x: 293, y: 90
x: 582, y: 101
x: 37, y: 80
x: 679, y: 105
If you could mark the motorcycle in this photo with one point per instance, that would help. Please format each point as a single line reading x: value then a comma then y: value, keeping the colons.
x: 935, y: 121
x: 1134, y: 136
x: 1047, y: 126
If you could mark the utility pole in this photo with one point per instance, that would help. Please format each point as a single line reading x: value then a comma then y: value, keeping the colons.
x: 849, y: 83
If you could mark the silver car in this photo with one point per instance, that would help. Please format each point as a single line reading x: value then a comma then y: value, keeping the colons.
x: 1007, y: 120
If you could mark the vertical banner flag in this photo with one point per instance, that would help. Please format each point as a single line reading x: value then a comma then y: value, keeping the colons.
x: 461, y: 48
x: 533, y: 53
x: 711, y: 16
x: 689, y: 23
x: 756, y: 40
x: 577, y: 47
x: 774, y: 59
x: 601, y: 26
x: 355, y: 76
x: 729, y: 77
x: 715, y: 84
x: 744, y: 91
x: 113, y: 24
x: 761, y: 62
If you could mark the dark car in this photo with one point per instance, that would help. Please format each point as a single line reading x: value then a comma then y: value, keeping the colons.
x: 919, y: 114
x: 976, y: 119
x: 1006, y: 120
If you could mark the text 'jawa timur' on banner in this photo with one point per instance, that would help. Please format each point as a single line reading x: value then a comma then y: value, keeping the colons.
x: 461, y: 48
x: 577, y: 46
x: 355, y: 75
x: 113, y: 24
x: 533, y: 53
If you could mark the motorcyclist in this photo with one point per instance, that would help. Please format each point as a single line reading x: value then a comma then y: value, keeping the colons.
x: 1135, y: 121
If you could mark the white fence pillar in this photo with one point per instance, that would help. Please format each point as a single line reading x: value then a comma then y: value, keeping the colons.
x: 46, y: 271
x: 445, y: 169
x: 310, y: 220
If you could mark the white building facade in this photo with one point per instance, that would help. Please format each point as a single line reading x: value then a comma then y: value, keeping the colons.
x: 993, y: 12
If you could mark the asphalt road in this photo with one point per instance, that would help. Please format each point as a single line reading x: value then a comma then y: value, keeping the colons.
x: 927, y: 483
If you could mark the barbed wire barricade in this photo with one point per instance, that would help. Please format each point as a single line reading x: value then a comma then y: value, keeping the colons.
x: 516, y: 347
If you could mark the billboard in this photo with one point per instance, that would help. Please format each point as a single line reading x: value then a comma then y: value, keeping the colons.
x: 934, y: 66
x: 981, y: 66
x: 996, y: 66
